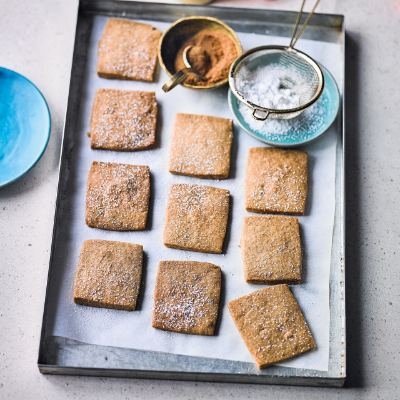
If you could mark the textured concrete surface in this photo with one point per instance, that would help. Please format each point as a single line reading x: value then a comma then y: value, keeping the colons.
x: 36, y: 40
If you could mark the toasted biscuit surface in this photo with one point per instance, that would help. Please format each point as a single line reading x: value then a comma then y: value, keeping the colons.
x: 196, y: 218
x: 276, y: 181
x: 117, y: 196
x: 201, y: 146
x: 123, y: 120
x: 186, y: 297
x: 128, y: 50
x: 271, y: 249
x: 271, y: 325
x: 108, y: 274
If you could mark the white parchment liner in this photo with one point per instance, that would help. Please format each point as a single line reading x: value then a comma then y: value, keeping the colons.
x: 133, y: 329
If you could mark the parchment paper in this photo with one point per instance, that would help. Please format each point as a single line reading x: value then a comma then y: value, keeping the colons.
x: 133, y: 329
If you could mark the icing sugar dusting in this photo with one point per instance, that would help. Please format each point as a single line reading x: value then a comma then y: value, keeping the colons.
x: 277, y: 87
x: 196, y: 218
x: 128, y: 50
x: 299, y: 128
x: 187, y: 297
x: 270, y: 87
x: 108, y: 274
x: 201, y: 146
x: 123, y: 120
x: 117, y: 196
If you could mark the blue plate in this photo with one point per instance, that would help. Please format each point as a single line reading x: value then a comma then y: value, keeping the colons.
x: 305, y: 128
x: 24, y: 125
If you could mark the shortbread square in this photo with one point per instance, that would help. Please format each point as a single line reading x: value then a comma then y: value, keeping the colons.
x: 196, y: 218
x: 123, y: 120
x: 271, y: 249
x: 117, y: 196
x: 271, y: 325
x: 201, y: 146
x: 108, y: 274
x: 128, y: 50
x: 276, y: 181
x: 186, y: 297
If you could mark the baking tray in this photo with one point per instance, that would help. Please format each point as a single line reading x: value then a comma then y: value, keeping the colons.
x: 59, y: 355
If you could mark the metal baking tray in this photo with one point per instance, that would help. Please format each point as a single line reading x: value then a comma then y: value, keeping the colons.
x: 63, y: 356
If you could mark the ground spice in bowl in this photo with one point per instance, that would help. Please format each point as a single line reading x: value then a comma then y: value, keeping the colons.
x: 212, y: 54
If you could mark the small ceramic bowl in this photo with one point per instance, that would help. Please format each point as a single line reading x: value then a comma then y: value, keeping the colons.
x: 174, y: 37
x: 328, y: 105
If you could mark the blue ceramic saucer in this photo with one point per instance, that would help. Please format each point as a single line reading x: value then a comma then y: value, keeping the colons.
x: 305, y: 128
x: 24, y: 125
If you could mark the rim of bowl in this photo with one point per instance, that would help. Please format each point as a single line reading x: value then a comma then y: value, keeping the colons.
x: 179, y: 21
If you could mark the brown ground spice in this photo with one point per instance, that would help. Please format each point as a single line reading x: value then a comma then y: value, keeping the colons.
x: 212, y: 55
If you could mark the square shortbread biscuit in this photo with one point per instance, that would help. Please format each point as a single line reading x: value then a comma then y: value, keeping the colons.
x: 108, y: 274
x: 117, y: 196
x: 123, y: 120
x: 186, y: 297
x: 271, y: 249
x: 271, y: 325
x: 201, y: 146
x: 196, y: 218
x: 128, y: 50
x: 276, y: 181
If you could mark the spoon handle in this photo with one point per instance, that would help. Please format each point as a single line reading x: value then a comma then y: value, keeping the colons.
x: 179, y: 77
x: 176, y: 79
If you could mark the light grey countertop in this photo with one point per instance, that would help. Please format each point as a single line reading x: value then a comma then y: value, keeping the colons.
x: 36, y: 40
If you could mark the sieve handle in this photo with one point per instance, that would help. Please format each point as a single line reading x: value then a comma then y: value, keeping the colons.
x: 293, y: 39
x: 258, y: 118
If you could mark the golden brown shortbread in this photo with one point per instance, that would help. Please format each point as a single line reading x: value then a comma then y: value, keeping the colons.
x: 276, y: 181
x: 123, y: 120
x: 271, y: 325
x: 108, y: 274
x: 186, y: 297
x: 196, y: 218
x: 128, y: 50
x: 117, y: 196
x: 201, y: 146
x: 271, y: 249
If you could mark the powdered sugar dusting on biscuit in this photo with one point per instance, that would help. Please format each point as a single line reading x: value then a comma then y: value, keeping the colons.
x: 187, y: 297
x: 108, y: 274
x: 271, y: 325
x: 117, y: 196
x: 123, y: 120
x: 128, y: 50
x: 276, y: 181
x: 201, y: 146
x: 271, y: 249
x: 196, y: 218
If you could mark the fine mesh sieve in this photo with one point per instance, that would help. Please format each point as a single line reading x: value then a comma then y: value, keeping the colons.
x: 296, y: 71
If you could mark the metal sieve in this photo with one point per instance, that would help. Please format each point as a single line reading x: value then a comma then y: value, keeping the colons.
x: 296, y: 71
